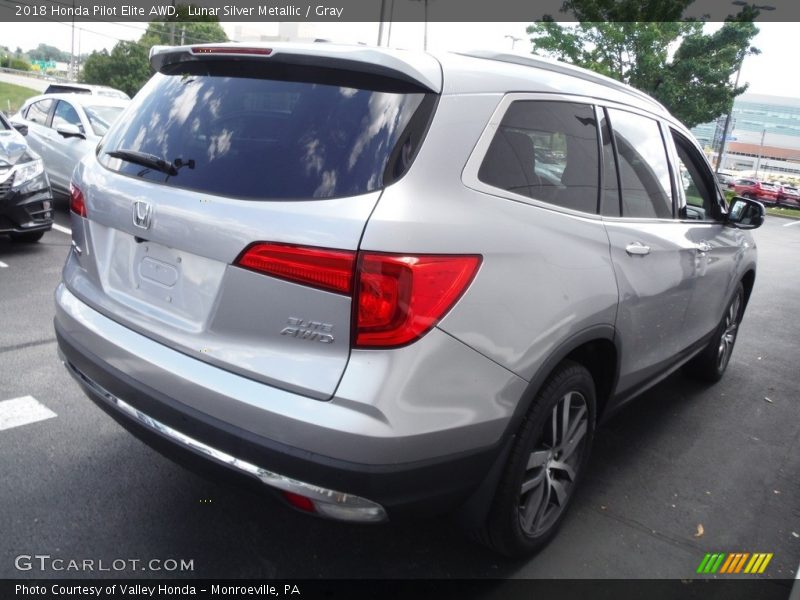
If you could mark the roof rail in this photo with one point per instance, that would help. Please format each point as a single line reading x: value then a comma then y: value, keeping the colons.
x: 539, y: 62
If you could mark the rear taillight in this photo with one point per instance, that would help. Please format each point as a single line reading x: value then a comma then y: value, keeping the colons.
x: 397, y: 298
x: 76, y: 203
x: 400, y: 298
x: 330, y: 270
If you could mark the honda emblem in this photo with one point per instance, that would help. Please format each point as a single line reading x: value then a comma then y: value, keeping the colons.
x: 142, y: 214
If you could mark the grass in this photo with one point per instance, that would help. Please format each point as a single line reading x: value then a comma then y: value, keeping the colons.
x: 12, y: 96
x: 791, y: 213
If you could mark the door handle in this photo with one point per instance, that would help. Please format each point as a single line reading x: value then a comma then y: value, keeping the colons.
x: 637, y: 249
x: 703, y: 247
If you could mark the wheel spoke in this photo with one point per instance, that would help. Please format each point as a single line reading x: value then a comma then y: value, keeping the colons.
x: 576, y: 422
x: 531, y: 508
x: 560, y: 492
x: 554, y: 421
x: 572, y: 443
x: 567, y: 401
x: 543, y: 504
x: 531, y: 482
x: 559, y: 465
x: 538, y: 458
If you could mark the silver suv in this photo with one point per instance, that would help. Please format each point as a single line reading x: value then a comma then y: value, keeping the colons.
x: 385, y: 283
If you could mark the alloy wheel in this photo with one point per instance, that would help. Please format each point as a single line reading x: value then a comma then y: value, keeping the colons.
x: 553, y: 463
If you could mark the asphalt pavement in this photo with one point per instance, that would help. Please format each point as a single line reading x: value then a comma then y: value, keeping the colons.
x: 684, y: 471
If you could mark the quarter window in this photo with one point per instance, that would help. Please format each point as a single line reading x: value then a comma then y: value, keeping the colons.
x: 546, y: 151
x: 38, y: 111
x: 643, y: 166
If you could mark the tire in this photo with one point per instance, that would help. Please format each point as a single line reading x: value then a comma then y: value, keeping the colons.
x: 710, y: 364
x: 545, y: 464
x: 29, y: 237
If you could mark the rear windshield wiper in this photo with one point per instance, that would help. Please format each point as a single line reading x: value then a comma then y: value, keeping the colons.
x: 146, y: 160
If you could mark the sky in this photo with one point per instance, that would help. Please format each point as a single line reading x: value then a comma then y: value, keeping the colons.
x: 766, y: 73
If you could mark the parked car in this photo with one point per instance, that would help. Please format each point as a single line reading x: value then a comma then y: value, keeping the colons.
x: 62, y: 128
x: 788, y: 194
x: 26, y: 211
x: 342, y: 273
x: 756, y: 190
x: 725, y: 177
x: 85, y: 88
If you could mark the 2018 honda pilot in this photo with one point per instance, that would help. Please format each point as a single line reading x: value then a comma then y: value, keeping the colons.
x: 384, y: 282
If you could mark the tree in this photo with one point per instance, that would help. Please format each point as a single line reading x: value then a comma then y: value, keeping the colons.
x: 631, y: 42
x: 127, y: 68
x: 46, y: 52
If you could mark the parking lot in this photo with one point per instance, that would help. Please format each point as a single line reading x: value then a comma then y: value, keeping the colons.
x: 684, y: 471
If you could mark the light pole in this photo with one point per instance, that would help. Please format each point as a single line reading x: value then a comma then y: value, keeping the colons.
x: 724, y: 143
x: 513, y: 39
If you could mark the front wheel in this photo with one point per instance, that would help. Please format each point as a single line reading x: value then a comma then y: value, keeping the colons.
x: 545, y: 464
x: 711, y: 363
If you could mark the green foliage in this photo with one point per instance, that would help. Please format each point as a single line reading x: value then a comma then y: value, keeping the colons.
x: 127, y: 68
x: 10, y: 62
x: 47, y: 52
x: 631, y: 41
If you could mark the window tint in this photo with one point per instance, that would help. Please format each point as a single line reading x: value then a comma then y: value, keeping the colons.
x: 38, y: 111
x: 643, y: 166
x: 546, y: 151
x: 610, y: 206
x: 696, y: 180
x: 261, y: 131
x: 66, y: 114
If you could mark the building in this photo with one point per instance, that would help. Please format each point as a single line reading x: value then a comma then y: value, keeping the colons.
x: 764, y: 140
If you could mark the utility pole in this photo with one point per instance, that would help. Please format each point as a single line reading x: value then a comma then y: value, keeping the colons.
x: 72, y: 47
x: 514, y: 40
x: 172, y: 30
x: 760, y: 153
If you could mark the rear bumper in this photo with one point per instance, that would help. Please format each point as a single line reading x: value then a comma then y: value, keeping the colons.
x: 197, y: 439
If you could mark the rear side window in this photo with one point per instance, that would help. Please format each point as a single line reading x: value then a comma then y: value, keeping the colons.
x: 547, y: 151
x: 643, y: 166
x: 270, y: 132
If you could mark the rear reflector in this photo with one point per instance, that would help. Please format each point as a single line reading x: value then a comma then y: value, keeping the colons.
x: 330, y: 270
x: 76, y: 203
x: 400, y: 298
x: 300, y: 502
x: 231, y: 50
x: 397, y: 299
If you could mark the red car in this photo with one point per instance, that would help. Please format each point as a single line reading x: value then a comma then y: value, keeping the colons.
x: 757, y: 190
x: 788, y: 194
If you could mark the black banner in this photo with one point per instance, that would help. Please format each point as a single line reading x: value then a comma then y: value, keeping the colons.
x: 518, y: 589
x: 349, y: 10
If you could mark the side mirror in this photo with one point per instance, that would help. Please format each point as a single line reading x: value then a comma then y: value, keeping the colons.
x: 68, y: 130
x: 745, y: 213
x: 21, y: 128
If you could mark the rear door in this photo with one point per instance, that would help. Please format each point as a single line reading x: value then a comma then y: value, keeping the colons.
x: 652, y: 255
x: 269, y: 169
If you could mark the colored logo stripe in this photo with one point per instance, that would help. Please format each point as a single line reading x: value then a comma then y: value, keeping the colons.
x: 734, y: 563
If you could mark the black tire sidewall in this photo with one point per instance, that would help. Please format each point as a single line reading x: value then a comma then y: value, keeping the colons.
x: 505, y: 529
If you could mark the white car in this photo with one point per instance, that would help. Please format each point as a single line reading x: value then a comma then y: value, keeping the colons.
x: 62, y: 128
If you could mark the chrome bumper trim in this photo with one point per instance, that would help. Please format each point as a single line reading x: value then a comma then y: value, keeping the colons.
x: 329, y: 503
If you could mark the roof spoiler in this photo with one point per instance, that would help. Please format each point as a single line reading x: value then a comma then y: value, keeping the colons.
x: 419, y: 69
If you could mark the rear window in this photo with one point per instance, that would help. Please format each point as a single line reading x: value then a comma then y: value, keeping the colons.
x: 267, y: 132
x: 102, y: 117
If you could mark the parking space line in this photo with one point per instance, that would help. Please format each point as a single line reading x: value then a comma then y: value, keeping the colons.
x: 3, y: 265
x: 62, y: 229
x: 23, y: 411
x: 792, y: 223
